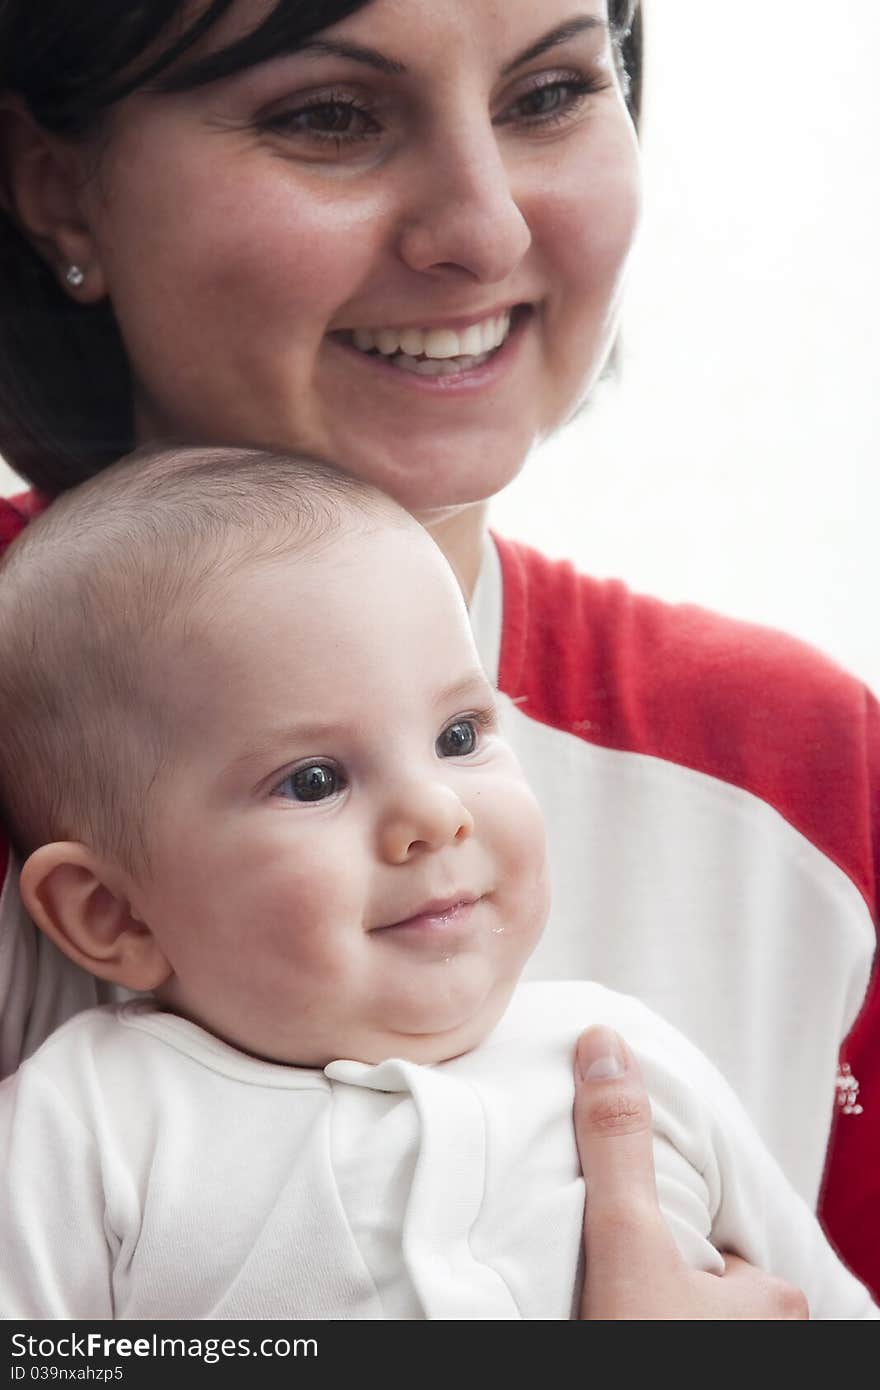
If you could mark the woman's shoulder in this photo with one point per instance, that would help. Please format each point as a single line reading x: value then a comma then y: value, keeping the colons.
x: 646, y: 669
x: 16, y: 512
x: 752, y: 706
x: 634, y: 639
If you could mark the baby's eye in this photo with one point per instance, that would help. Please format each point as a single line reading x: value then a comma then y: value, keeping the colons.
x: 315, y: 782
x: 458, y: 739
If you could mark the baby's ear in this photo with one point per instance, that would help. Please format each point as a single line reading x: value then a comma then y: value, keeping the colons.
x: 81, y: 903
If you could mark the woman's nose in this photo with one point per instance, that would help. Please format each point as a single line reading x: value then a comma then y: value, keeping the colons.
x: 423, y: 816
x: 462, y: 213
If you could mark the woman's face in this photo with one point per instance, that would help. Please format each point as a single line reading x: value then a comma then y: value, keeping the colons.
x: 399, y: 248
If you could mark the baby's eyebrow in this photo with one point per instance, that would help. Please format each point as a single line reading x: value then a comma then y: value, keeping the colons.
x: 316, y: 736
x: 312, y: 735
x: 474, y: 684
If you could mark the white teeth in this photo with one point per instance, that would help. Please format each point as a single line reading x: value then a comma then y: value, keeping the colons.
x: 387, y: 341
x: 412, y: 342
x: 442, y: 342
x: 472, y: 340
x: 428, y: 366
x: 435, y: 344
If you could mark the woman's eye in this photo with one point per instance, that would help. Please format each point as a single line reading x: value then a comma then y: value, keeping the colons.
x: 544, y: 100
x: 549, y: 103
x: 313, y: 783
x: 332, y: 120
x: 457, y: 740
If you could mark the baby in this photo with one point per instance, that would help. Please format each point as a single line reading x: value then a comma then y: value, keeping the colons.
x: 255, y: 774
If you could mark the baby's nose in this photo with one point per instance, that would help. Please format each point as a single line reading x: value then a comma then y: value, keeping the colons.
x: 423, y: 817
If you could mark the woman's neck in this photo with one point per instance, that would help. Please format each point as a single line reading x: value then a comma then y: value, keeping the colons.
x: 460, y: 534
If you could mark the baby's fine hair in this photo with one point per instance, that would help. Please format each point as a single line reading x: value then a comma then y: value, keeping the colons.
x: 108, y: 580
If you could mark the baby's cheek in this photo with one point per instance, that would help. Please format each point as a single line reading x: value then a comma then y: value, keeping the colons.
x: 526, y: 865
x: 529, y: 834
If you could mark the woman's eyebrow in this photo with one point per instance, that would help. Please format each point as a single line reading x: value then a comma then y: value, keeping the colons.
x: 339, y: 49
x: 561, y: 34
x: 392, y: 67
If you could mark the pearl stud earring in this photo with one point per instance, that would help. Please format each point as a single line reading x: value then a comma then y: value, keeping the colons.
x: 74, y: 276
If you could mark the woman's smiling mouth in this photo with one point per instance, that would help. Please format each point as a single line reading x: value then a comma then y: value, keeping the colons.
x: 440, y: 351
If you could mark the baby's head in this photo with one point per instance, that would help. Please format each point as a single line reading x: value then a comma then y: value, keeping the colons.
x: 252, y: 761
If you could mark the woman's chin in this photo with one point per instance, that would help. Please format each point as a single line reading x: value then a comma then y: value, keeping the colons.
x: 433, y: 476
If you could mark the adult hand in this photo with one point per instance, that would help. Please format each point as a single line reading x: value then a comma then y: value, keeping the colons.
x: 633, y: 1266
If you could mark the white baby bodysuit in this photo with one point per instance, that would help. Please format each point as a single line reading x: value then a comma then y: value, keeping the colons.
x: 154, y: 1172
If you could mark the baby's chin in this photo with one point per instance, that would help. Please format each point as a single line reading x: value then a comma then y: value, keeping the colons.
x: 428, y: 1048
x: 423, y: 1030
x: 373, y: 1046
x: 370, y: 1048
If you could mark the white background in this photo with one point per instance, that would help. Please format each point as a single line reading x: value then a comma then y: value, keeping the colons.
x: 735, y: 463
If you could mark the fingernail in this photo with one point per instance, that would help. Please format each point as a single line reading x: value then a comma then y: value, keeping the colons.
x: 599, y: 1055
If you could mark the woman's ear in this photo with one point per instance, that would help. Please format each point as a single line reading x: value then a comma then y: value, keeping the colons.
x: 81, y: 904
x: 42, y: 181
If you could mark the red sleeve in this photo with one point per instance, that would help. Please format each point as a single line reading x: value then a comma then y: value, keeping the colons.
x: 15, y: 513
x: 752, y: 707
x: 850, y: 1203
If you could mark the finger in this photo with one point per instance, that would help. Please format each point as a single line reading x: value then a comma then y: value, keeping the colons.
x: 612, y: 1119
x: 761, y: 1296
x: 627, y: 1244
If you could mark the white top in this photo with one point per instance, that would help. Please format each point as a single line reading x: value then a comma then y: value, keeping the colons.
x: 154, y: 1172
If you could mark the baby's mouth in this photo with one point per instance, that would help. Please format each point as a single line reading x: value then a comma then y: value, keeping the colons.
x: 435, y: 351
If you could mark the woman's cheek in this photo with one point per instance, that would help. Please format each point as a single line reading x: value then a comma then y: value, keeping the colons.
x: 322, y: 247
x: 587, y: 207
